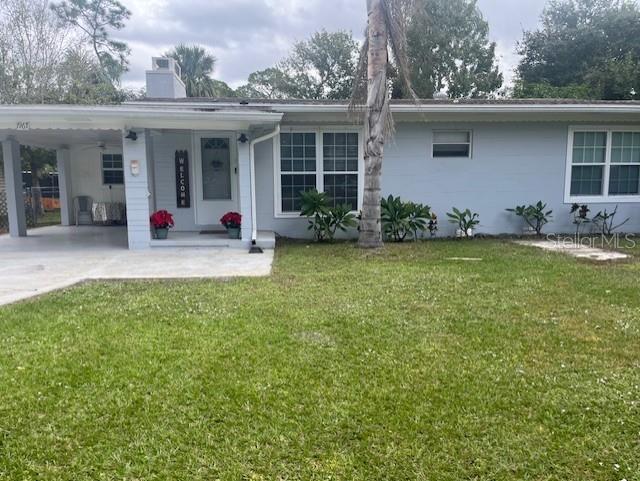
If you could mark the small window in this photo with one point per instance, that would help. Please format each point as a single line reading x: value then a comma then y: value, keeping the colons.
x: 452, y: 143
x: 112, y: 169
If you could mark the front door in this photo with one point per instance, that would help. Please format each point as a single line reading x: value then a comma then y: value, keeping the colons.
x: 216, y: 176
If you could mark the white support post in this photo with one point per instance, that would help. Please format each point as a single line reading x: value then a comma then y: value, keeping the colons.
x: 13, y: 181
x: 137, y: 194
x: 244, y: 175
x: 63, y: 157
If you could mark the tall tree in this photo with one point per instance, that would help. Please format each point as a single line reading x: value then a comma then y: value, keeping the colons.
x: 448, y: 48
x: 270, y: 83
x: 81, y: 81
x: 96, y: 19
x: 222, y: 90
x: 32, y: 47
x: 40, y: 162
x: 584, y: 49
x: 385, y: 31
x: 197, y: 67
x: 321, y: 67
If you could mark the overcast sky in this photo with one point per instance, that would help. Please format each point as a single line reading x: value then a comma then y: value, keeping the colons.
x: 250, y: 35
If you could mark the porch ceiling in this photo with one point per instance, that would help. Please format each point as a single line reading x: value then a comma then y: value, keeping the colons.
x: 58, y: 138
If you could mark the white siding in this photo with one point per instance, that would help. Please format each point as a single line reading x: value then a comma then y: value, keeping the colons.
x: 511, y: 164
x: 86, y: 174
x: 163, y: 151
x: 137, y: 192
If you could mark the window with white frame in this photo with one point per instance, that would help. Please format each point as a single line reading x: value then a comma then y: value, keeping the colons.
x: 604, y: 164
x: 340, y: 157
x: 451, y: 143
x: 112, y: 169
x: 327, y: 160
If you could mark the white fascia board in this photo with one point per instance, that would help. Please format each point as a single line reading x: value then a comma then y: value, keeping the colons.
x: 120, y: 117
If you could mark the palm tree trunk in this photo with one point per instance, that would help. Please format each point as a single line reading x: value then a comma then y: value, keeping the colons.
x: 375, y: 125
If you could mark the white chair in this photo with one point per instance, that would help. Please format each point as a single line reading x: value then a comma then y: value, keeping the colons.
x: 82, y: 206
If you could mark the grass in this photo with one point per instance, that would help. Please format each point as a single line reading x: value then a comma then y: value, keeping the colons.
x: 415, y: 363
x: 49, y: 217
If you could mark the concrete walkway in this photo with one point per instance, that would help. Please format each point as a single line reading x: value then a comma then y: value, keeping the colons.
x: 576, y: 250
x: 52, y: 258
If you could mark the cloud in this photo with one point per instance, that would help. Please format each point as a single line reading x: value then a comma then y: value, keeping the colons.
x: 249, y: 35
x: 508, y: 19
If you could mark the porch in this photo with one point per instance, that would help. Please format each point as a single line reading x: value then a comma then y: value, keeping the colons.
x: 195, y: 164
x: 51, y: 258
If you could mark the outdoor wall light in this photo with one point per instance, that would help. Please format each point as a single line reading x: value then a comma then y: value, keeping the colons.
x: 243, y: 139
x: 132, y: 136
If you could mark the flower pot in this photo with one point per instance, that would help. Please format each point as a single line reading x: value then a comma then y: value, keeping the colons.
x: 161, y: 233
x: 460, y: 234
x: 234, y: 232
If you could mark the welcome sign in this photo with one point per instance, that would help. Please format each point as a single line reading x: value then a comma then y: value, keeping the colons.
x: 182, y: 180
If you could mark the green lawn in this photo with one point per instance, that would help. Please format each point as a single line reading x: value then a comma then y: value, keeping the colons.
x: 50, y: 217
x: 403, y: 365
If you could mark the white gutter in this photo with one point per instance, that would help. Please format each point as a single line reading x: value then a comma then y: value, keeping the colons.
x: 252, y: 167
x: 431, y: 107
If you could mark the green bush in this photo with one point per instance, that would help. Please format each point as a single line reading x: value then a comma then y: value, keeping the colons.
x: 465, y: 220
x: 324, y: 220
x: 403, y: 219
x: 535, y: 215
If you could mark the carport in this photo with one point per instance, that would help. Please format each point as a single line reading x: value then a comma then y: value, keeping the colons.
x: 63, y: 141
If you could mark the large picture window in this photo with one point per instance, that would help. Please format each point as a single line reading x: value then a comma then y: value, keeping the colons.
x: 603, y: 165
x: 327, y: 160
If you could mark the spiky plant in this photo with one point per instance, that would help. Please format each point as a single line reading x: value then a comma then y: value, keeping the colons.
x: 385, y: 40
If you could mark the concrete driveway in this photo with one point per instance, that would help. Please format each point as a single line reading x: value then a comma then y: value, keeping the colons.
x: 52, y: 258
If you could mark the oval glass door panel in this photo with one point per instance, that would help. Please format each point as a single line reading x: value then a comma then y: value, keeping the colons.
x: 216, y: 168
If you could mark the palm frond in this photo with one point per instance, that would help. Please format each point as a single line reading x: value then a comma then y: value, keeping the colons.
x: 359, y: 89
x: 396, y: 12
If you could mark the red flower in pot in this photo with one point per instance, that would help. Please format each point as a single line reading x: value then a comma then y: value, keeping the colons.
x: 161, y: 221
x: 232, y: 222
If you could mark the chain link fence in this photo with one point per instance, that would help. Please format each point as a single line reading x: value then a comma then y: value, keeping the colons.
x: 41, y: 206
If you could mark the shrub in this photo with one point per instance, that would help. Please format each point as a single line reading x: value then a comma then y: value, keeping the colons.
x: 324, y: 220
x: 580, y: 216
x: 465, y: 220
x: 535, y: 215
x: 403, y: 219
x: 433, y: 225
x: 606, y: 221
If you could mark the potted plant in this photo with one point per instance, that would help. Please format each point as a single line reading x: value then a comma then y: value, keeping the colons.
x: 466, y: 222
x: 232, y: 222
x: 161, y: 221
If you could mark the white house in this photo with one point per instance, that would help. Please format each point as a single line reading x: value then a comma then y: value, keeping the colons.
x: 199, y: 158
